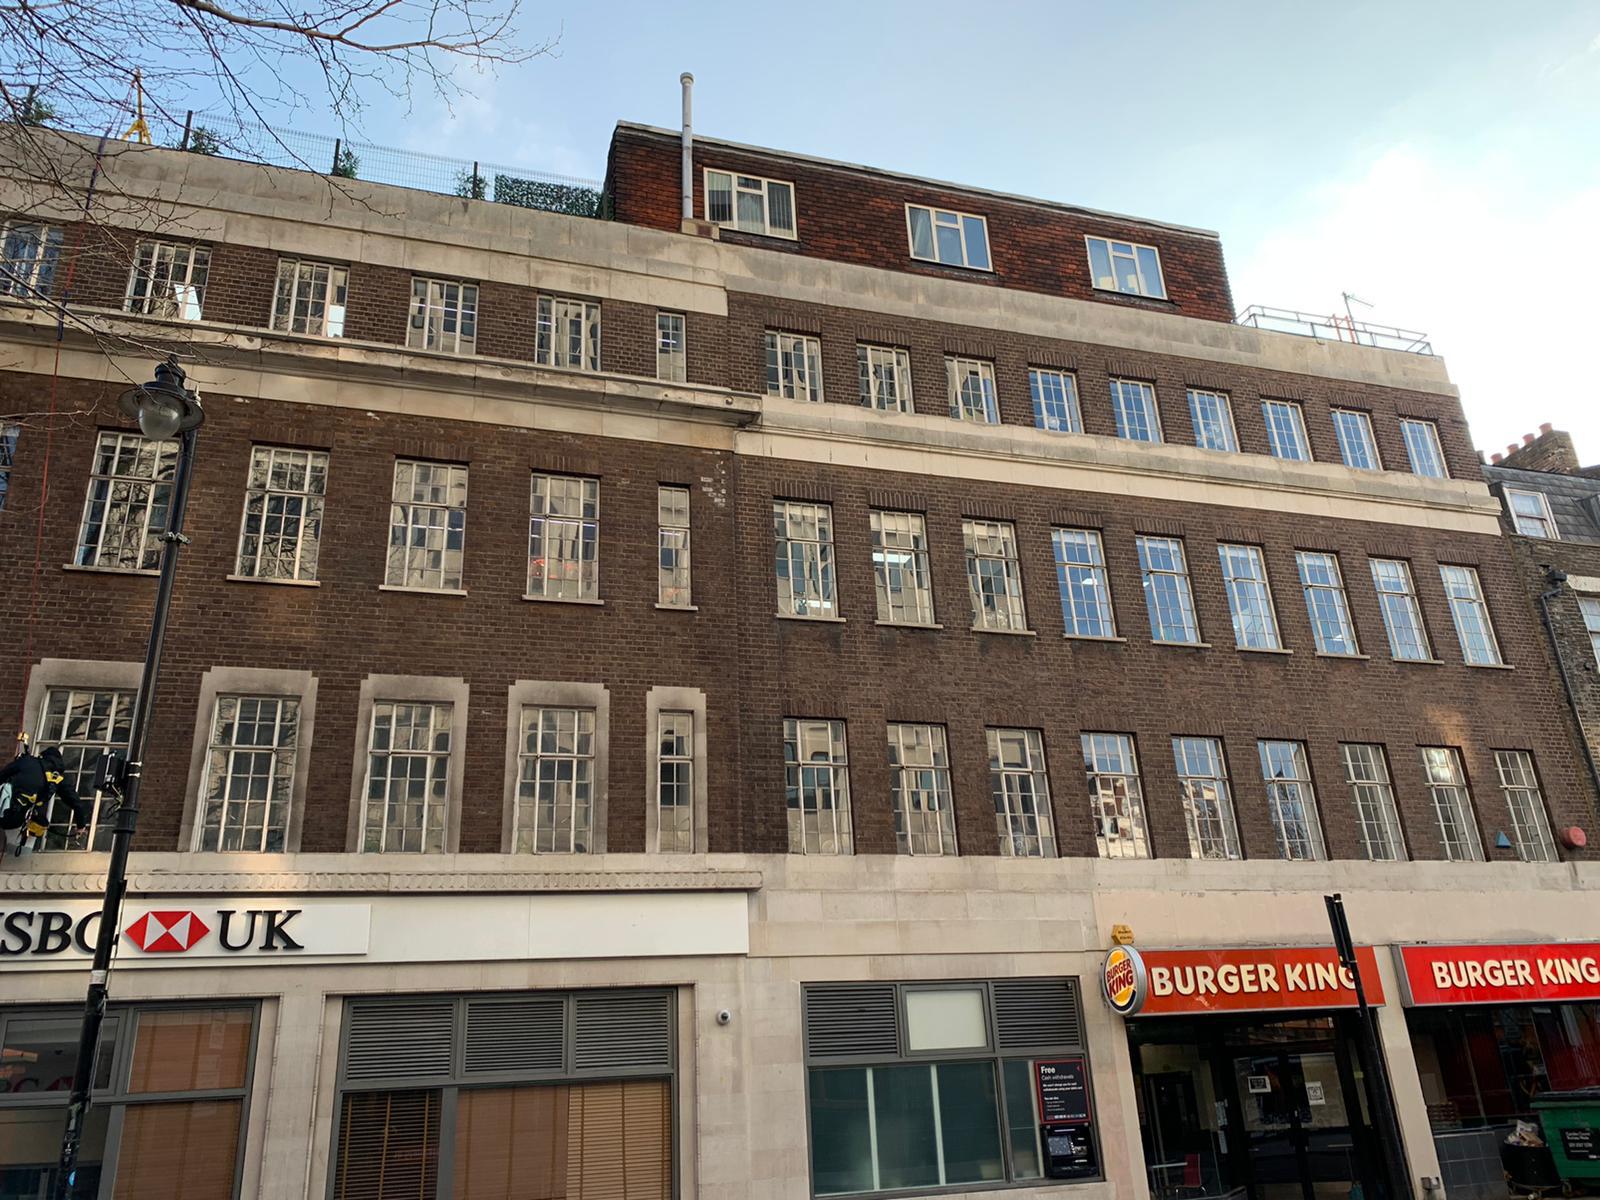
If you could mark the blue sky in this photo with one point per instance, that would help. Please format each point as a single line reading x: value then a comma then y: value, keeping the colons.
x: 1439, y: 159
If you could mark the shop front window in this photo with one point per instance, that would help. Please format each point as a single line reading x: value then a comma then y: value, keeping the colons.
x: 938, y: 1083
x: 170, y: 1090
x: 501, y: 1096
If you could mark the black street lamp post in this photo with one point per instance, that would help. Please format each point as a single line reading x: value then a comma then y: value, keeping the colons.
x: 164, y: 408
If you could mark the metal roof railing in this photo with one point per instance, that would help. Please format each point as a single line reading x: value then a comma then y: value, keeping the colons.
x: 1334, y: 329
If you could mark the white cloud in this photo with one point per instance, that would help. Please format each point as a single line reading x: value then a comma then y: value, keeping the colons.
x: 1499, y: 272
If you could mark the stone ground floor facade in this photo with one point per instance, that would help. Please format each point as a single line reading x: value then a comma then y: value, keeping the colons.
x: 779, y: 1027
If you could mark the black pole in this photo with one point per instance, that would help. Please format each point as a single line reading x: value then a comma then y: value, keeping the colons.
x: 126, y: 818
x: 1386, y: 1123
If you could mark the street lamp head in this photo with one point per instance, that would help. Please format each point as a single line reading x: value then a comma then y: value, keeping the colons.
x: 164, y: 406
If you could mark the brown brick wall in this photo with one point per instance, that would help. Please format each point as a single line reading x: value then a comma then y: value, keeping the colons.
x: 839, y: 331
x: 754, y: 668
x: 859, y: 217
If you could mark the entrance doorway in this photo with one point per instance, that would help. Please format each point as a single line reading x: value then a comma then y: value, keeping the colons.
x: 1253, y: 1109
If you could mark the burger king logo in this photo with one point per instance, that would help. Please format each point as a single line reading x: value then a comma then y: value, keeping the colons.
x: 1124, y: 980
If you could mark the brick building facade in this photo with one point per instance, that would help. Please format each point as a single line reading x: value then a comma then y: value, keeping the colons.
x: 1296, y: 576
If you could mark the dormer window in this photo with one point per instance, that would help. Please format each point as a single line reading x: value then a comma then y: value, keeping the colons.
x: 952, y: 238
x: 1126, y: 267
x: 750, y: 204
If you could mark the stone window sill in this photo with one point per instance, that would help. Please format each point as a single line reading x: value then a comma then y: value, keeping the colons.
x: 678, y: 607
x: 562, y: 600
x: 909, y: 624
x: 1263, y: 650
x: 418, y: 591
x: 1353, y: 657
x: 804, y: 620
x: 280, y: 582
x: 1490, y: 666
x: 111, y: 570
x: 1418, y: 662
x: 1086, y: 637
x: 1183, y: 645
x: 1006, y: 632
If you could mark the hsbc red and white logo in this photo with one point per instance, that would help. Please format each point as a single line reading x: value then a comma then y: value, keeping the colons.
x: 167, y: 932
x: 176, y: 934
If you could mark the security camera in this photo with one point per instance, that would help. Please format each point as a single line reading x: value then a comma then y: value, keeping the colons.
x: 724, y: 1016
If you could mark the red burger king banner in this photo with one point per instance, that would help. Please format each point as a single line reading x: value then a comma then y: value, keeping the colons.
x: 1255, y: 980
x: 1501, y: 974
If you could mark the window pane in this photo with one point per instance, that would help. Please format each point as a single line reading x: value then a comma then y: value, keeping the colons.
x: 178, y: 1151
x: 392, y: 1137
x: 191, y: 1049
x: 903, y: 1110
x: 41, y: 1053
x: 969, y: 1122
x: 841, y: 1136
x: 948, y: 1019
x: 977, y: 238
x: 30, y: 1148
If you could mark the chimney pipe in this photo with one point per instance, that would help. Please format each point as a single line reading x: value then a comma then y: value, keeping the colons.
x: 1495, y: 458
x: 688, y: 147
x: 1545, y: 428
x: 1527, y: 439
x: 1512, y: 447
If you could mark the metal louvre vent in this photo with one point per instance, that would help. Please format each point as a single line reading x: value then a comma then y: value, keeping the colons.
x: 1038, y: 1013
x: 622, y: 1030
x: 388, y: 1040
x: 850, y: 1020
x: 525, y: 1034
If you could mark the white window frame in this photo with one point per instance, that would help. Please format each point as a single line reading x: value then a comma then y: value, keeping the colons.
x: 812, y: 555
x: 168, y: 280
x: 878, y: 365
x: 814, y: 779
x: 737, y: 186
x: 1469, y: 611
x: 1454, y: 814
x: 1300, y: 441
x: 919, y: 770
x: 994, y: 542
x: 285, y: 512
x: 1327, y: 602
x: 1244, y: 580
x: 1366, y: 443
x: 569, y: 768
x: 1124, y: 392
x: 1063, y: 395
x: 1227, y: 441
x: 672, y: 347
x: 115, y: 704
x: 1116, y: 249
x: 1366, y: 772
x: 563, y: 538
x: 675, y: 764
x: 9, y: 435
x: 794, y: 366
x: 1433, y: 449
x: 281, y: 755
x: 1548, y: 528
x: 1188, y: 620
x: 674, y: 533
x: 1292, y: 801
x: 310, y: 297
x: 958, y: 373
x: 1086, y: 608
x: 902, y: 578
x: 947, y: 218
x: 444, y: 521
x: 144, y: 510
x: 433, y: 836
x: 1589, y: 606
x: 30, y: 272
x: 567, y: 333
x: 1530, y: 823
x: 443, y: 316
x: 1403, y: 598
x: 1019, y: 785
x: 1116, y: 795
x: 1207, y: 797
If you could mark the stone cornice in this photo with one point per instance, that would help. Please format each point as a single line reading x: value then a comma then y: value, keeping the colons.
x: 369, y: 882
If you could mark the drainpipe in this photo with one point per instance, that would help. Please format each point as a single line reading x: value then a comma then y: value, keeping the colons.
x: 688, y: 147
x: 1556, y: 578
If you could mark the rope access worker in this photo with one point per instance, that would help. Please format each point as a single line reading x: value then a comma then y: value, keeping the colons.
x: 37, y: 782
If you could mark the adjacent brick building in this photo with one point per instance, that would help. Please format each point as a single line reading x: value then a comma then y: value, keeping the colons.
x: 690, y: 676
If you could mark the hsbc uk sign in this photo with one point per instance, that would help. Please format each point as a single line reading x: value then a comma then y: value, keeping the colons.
x: 175, y: 933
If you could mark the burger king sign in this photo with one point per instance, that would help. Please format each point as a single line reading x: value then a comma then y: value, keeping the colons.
x: 1125, y: 981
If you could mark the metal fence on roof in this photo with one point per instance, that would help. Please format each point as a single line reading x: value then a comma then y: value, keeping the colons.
x: 227, y: 136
